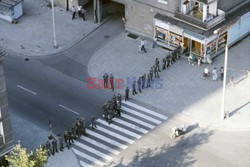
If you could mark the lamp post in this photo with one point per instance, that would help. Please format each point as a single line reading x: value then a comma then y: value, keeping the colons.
x: 53, y: 21
x: 224, y: 77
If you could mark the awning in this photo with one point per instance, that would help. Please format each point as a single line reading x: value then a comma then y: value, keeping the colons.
x: 194, y: 36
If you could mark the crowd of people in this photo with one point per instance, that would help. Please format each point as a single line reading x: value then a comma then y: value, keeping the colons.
x: 65, y: 140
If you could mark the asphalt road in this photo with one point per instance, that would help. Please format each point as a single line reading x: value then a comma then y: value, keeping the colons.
x: 54, y: 88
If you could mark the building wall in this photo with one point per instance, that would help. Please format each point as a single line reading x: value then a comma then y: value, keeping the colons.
x: 5, y: 117
x: 139, y: 14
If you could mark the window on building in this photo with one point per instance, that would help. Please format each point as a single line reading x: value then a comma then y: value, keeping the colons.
x: 163, y: 1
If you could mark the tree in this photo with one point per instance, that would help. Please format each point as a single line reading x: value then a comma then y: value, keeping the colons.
x: 20, y: 158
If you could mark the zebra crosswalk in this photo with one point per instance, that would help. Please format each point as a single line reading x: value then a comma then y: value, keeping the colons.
x: 108, y: 140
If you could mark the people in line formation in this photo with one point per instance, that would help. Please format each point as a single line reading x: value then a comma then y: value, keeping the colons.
x: 66, y: 139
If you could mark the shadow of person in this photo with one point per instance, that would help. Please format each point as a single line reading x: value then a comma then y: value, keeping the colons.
x: 192, y: 127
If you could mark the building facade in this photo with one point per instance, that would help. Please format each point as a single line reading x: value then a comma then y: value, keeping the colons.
x: 6, y: 141
x: 201, y: 27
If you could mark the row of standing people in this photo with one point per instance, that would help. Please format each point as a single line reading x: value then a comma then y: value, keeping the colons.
x: 66, y: 139
x: 112, y: 108
x: 145, y: 80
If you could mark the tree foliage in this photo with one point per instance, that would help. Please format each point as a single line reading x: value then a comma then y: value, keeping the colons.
x: 19, y: 157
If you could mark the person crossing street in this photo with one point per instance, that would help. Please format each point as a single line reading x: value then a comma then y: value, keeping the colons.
x: 126, y: 94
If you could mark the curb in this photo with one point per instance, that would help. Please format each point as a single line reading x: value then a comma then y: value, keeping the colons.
x: 63, y: 49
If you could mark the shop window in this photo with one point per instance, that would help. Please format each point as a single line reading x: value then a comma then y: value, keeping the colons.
x: 161, y: 33
x: 175, y: 39
x: 196, y: 47
x: 1, y: 135
x: 222, y: 41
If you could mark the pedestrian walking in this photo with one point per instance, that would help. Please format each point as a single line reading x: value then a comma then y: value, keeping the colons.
x: 139, y: 84
x: 148, y: 81
x: 199, y: 61
x: 143, y: 46
x: 71, y: 137
x: 93, y: 122
x: 126, y: 94
x: 48, y: 147
x: 54, y: 146
x: 156, y: 72
x: 157, y: 63
x: 66, y: 139
x: 83, y: 13
x: 205, y: 73
x: 119, y: 98
x: 164, y: 64
x: 154, y: 42
x: 82, y: 126
x: 73, y: 9
x: 231, y: 82
x: 215, y: 76
x: 221, y: 73
x: 111, y: 78
x: 134, y: 88
x: 61, y: 142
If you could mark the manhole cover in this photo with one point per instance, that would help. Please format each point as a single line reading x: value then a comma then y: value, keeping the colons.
x: 26, y: 59
x: 106, y: 36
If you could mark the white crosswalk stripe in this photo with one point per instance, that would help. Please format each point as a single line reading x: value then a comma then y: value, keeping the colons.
x: 85, y: 147
x: 120, y: 129
x: 140, y: 115
x: 108, y: 139
x: 116, y: 135
x: 138, y: 121
x: 84, y: 164
x: 145, y: 110
x: 88, y: 157
x: 137, y: 128
x: 100, y: 145
x: 115, y: 143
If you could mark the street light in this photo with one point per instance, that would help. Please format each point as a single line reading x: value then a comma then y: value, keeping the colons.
x: 224, y: 77
x: 53, y: 21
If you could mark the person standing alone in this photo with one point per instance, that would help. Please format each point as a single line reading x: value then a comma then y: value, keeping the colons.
x: 73, y: 12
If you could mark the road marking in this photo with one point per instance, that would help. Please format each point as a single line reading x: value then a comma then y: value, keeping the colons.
x: 100, y: 154
x: 34, y: 93
x: 116, y: 135
x: 100, y: 145
x: 120, y: 129
x: 66, y: 108
x: 132, y: 126
x: 145, y: 110
x: 137, y: 121
x: 140, y: 115
x: 88, y: 157
x: 84, y: 164
x: 110, y: 141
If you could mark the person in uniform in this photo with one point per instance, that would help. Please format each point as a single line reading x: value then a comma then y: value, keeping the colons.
x: 168, y: 60
x: 148, y: 81
x: 71, y: 137
x: 143, y: 78
x: 54, y: 146
x: 139, y: 84
x: 157, y: 63
x: 82, y: 126
x: 173, y: 56
x: 73, y: 130
x: 93, y: 122
x: 66, y: 138
x: 126, y: 94
x: 119, y: 98
x: 164, y: 64
x: 156, y: 72
x: 134, y: 88
x: 111, y: 78
x: 48, y: 147
x: 61, y: 142
x: 151, y: 72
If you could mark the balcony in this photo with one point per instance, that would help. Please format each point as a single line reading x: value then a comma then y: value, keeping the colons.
x: 195, y: 20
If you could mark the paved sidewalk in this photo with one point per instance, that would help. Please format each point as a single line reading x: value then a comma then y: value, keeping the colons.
x: 184, y: 92
x: 33, y: 35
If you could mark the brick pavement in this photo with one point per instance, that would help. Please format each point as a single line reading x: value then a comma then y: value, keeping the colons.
x: 184, y: 93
